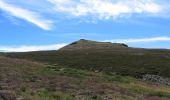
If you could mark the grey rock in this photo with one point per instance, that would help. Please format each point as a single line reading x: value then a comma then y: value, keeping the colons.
x: 156, y: 79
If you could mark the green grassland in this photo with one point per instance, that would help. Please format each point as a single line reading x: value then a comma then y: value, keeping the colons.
x: 84, y: 70
x: 30, y: 80
x: 124, y: 61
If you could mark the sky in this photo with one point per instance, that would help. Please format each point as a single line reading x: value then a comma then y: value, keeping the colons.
x: 31, y: 25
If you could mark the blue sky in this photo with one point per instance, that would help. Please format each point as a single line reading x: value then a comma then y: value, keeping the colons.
x: 30, y: 25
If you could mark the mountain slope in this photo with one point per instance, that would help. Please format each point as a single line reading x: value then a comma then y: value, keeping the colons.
x: 27, y: 80
x: 88, y: 44
x: 105, y: 57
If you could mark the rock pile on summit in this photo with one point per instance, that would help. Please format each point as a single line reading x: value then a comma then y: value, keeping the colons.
x: 88, y: 44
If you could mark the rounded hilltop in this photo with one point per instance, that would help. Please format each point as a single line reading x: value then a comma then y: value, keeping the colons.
x: 89, y: 44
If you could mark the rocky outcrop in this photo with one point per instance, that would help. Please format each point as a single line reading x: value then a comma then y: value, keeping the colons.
x: 88, y: 44
x: 157, y: 79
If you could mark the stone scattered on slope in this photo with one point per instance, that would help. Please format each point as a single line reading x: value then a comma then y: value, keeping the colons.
x: 157, y: 79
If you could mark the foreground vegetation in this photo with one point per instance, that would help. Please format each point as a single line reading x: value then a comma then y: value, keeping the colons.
x: 32, y: 80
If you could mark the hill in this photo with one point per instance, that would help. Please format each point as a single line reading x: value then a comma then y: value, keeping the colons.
x: 88, y: 44
x: 28, y: 80
x: 105, y: 57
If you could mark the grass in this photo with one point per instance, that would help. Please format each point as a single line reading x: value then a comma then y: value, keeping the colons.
x: 124, y: 61
x: 38, y: 81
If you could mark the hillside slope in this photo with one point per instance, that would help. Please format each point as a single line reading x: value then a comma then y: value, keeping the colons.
x: 105, y: 57
x: 27, y: 80
x: 88, y: 44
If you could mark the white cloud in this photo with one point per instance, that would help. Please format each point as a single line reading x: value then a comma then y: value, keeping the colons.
x: 31, y: 48
x: 140, y: 40
x: 106, y: 9
x: 27, y: 15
